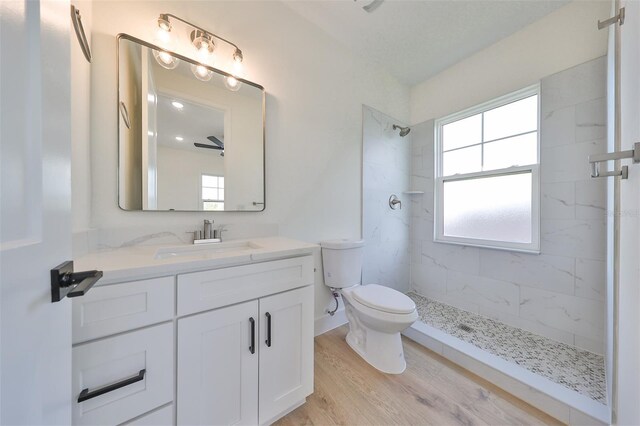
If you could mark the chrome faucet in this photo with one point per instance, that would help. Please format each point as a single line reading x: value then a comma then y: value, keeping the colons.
x: 207, y: 229
x: 208, y: 235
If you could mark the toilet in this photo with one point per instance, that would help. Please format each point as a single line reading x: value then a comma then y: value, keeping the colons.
x: 376, y: 314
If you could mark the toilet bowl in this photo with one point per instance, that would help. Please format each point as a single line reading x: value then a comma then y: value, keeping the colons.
x: 376, y: 314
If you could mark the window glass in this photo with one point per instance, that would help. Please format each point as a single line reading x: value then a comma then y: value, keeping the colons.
x: 465, y: 132
x: 511, y: 119
x: 517, y: 151
x: 496, y: 208
x: 465, y: 160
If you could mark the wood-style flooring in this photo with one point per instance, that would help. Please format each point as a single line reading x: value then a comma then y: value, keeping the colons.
x: 432, y: 391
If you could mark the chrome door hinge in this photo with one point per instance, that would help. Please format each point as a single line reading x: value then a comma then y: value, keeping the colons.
x: 618, y: 18
x: 596, y: 159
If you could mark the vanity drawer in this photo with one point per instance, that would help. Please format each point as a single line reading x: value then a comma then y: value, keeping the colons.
x: 200, y: 291
x: 111, y: 309
x: 113, y: 360
x: 160, y: 417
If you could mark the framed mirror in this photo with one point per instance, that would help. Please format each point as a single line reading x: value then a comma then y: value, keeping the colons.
x: 191, y: 137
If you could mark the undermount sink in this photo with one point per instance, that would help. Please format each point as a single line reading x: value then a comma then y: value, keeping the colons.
x: 205, y: 250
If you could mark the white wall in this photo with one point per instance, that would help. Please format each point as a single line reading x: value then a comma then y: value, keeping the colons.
x: 559, y: 293
x: 564, y: 38
x: 180, y: 176
x: 315, y: 91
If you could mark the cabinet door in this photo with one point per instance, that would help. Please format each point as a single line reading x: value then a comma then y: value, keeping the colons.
x: 286, y: 351
x: 217, y: 371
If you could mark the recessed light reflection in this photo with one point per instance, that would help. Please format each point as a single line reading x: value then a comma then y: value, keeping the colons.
x: 179, y: 138
x: 177, y: 105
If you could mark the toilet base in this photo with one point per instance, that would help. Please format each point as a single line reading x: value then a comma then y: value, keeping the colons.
x: 381, y: 350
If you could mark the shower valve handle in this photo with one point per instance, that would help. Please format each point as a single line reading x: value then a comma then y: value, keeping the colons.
x: 394, y: 202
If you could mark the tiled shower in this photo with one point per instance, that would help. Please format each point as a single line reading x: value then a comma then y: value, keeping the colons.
x: 555, y: 300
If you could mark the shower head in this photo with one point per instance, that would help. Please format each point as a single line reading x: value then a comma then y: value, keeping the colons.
x: 404, y: 131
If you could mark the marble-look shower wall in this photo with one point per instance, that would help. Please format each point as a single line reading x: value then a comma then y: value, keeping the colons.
x: 560, y: 292
x: 385, y: 171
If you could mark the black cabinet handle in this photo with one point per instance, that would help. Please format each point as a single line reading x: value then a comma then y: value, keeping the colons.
x: 252, y: 324
x: 268, y: 341
x: 85, y: 394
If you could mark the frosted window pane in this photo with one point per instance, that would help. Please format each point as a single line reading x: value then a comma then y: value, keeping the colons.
x: 462, y: 133
x: 466, y: 160
x: 511, y: 119
x: 210, y: 193
x: 496, y: 208
x: 221, y: 182
x: 209, y: 180
x: 221, y: 194
x: 519, y: 151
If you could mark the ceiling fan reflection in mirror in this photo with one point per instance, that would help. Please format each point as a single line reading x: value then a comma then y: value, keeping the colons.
x: 218, y: 144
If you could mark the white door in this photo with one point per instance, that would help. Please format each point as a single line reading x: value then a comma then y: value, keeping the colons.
x: 218, y: 367
x: 35, y: 222
x: 286, y: 351
x: 628, y: 351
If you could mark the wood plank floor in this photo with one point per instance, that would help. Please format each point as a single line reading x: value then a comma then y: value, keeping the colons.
x: 432, y: 391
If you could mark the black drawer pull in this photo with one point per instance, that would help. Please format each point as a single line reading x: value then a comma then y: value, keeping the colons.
x: 85, y: 394
x: 252, y: 347
x: 268, y: 341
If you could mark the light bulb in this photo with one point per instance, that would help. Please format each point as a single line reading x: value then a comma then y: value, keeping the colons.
x: 165, y: 59
x: 232, y: 83
x: 163, y: 36
x: 238, y: 68
x: 201, y: 72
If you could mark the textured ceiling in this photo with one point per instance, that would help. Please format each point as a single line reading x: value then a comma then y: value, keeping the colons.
x: 414, y: 40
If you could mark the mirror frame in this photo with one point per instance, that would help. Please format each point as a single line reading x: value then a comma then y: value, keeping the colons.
x: 123, y: 36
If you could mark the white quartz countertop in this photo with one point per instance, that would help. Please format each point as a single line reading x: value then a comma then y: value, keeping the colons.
x: 148, y: 261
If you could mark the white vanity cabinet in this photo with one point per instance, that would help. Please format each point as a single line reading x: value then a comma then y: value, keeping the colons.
x: 232, y: 345
x: 286, y: 352
x: 217, y: 371
x: 248, y: 363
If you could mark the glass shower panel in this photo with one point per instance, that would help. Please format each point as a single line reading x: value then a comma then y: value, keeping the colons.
x: 496, y: 208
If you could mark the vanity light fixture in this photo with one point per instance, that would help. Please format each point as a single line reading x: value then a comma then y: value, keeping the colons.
x: 163, y: 39
x: 204, y: 43
x: 177, y: 105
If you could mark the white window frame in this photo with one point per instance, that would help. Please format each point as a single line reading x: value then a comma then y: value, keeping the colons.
x: 534, y: 169
x: 202, y: 200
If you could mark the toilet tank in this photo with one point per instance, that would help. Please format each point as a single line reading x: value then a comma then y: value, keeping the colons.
x: 342, y: 262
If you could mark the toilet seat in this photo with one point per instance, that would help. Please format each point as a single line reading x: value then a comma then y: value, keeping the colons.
x: 383, y: 299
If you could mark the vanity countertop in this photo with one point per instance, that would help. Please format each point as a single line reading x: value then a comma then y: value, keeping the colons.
x: 148, y: 261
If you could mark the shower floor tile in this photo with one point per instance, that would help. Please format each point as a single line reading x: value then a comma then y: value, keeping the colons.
x: 574, y: 368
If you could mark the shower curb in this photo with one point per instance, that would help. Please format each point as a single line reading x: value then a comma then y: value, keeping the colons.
x: 556, y: 400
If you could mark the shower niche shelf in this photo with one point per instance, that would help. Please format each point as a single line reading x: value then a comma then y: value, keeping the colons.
x: 413, y: 192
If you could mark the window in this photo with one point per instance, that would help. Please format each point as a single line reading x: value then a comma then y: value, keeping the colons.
x: 212, y: 192
x: 487, y: 185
